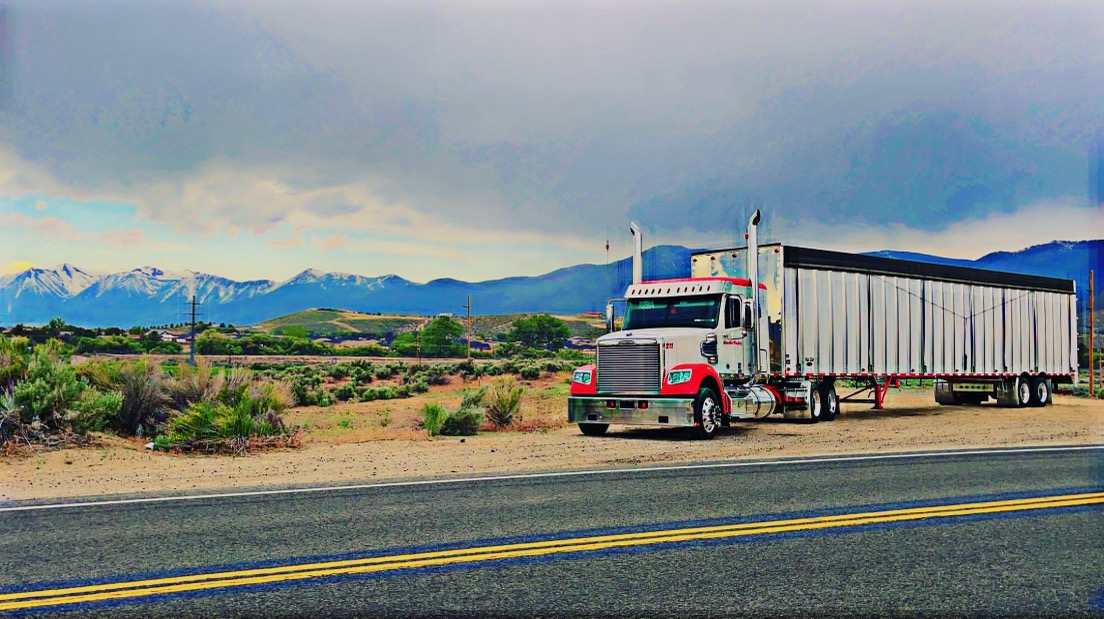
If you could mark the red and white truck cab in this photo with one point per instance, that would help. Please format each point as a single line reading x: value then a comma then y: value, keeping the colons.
x: 684, y: 356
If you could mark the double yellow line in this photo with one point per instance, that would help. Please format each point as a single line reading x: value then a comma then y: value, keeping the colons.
x: 289, y: 573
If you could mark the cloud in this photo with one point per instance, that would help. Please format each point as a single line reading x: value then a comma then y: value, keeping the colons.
x: 50, y: 227
x: 136, y: 239
x: 453, y: 130
x: 1034, y: 224
x: 331, y: 242
x: 40, y: 205
x: 285, y: 243
x: 1071, y: 219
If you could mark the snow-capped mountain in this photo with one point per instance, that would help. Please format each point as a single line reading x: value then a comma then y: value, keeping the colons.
x: 151, y: 296
x: 64, y: 280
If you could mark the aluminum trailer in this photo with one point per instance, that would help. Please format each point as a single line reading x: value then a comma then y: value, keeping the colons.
x: 798, y: 326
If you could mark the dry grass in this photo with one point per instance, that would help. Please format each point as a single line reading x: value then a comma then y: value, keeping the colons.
x: 542, y: 408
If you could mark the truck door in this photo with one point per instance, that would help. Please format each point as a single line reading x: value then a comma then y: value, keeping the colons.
x: 732, y: 338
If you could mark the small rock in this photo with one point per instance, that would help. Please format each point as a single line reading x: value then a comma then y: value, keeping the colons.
x: 462, y: 440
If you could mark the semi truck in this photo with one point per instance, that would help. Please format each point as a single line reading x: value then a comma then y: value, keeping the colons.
x: 781, y: 330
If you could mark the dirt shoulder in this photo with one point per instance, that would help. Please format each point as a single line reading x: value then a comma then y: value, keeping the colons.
x: 912, y: 422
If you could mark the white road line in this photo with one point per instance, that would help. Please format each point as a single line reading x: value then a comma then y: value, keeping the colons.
x: 651, y: 469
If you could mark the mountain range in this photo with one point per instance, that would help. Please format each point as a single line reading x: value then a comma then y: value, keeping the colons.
x: 151, y: 296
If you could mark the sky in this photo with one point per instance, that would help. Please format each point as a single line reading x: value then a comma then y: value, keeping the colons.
x: 475, y: 139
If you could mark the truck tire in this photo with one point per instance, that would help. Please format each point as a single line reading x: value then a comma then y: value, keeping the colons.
x: 707, y: 413
x: 1040, y: 391
x: 816, y: 403
x: 831, y: 404
x: 593, y: 429
x: 1024, y: 392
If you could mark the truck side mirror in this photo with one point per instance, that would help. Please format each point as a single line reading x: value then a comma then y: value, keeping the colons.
x: 747, y: 315
x: 609, y: 317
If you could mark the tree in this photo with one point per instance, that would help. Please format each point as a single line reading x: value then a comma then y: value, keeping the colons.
x: 439, y: 336
x: 540, y: 331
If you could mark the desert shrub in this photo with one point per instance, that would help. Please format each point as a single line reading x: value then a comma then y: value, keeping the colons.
x: 418, y: 386
x: 194, y: 384
x: 384, y: 371
x: 235, y: 385
x: 49, y: 391
x: 510, y: 366
x: 93, y: 411
x: 433, y: 418
x: 103, y: 375
x: 264, y: 397
x: 503, y: 402
x: 145, y: 399
x: 15, y: 359
x: 217, y: 426
x: 472, y: 398
x: 9, y: 416
x: 338, y: 371
x: 530, y: 372
x: 345, y: 392
x: 463, y: 422
x: 493, y: 369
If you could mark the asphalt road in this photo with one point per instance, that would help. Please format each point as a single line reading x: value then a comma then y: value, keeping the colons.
x: 1013, y: 555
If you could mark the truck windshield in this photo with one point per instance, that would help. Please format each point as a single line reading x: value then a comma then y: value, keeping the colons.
x: 701, y: 311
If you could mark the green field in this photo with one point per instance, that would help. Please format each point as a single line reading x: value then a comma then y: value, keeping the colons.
x: 329, y: 322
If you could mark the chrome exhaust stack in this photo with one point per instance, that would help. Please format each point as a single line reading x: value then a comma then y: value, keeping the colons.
x: 638, y: 259
x: 759, y: 331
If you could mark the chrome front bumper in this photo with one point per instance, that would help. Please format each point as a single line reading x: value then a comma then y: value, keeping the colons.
x: 675, y: 412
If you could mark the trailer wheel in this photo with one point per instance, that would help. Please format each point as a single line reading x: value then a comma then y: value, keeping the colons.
x: 593, y: 429
x: 816, y: 403
x: 1040, y: 391
x: 707, y: 413
x: 831, y: 403
x: 1024, y: 392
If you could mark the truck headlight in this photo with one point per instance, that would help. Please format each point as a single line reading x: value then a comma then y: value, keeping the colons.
x: 677, y: 377
x: 582, y: 377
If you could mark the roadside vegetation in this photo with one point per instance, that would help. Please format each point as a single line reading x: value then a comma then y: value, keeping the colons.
x: 49, y: 398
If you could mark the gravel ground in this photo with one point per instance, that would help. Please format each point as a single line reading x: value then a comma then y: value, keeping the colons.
x: 911, y: 422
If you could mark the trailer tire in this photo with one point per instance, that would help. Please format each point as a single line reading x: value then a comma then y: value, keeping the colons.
x: 1024, y: 392
x: 593, y: 429
x: 707, y: 413
x: 1040, y: 391
x: 831, y: 405
x: 816, y: 403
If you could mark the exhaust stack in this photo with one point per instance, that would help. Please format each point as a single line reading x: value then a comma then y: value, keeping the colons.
x: 638, y: 259
x: 760, y: 339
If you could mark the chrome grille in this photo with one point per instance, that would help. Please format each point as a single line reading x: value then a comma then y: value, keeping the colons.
x: 628, y: 368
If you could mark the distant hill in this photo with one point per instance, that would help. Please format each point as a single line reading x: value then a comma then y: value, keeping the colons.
x: 331, y: 322
x: 151, y: 296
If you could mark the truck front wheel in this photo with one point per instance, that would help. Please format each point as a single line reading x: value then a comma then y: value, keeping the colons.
x: 593, y: 429
x: 707, y: 413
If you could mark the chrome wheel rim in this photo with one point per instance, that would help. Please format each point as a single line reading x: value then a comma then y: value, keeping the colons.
x: 1024, y: 392
x: 815, y: 403
x: 709, y: 415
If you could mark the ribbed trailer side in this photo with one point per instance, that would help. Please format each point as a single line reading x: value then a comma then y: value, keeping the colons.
x: 853, y: 315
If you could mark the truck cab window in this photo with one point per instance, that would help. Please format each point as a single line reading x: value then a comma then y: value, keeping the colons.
x: 733, y: 308
x: 695, y: 312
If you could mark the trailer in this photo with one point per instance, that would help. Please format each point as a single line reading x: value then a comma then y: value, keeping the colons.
x: 792, y: 331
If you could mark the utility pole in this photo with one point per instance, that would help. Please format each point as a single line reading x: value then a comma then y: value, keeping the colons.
x: 191, y: 340
x: 418, y: 347
x: 468, y: 307
x: 1092, y: 335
